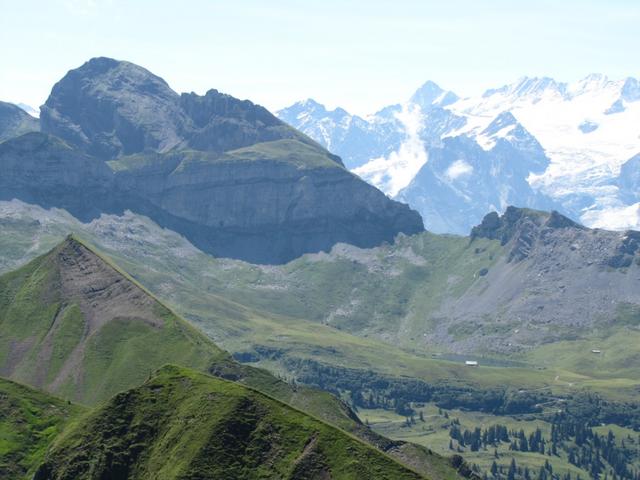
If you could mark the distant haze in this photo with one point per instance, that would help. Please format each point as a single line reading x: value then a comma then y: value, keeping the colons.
x: 359, y: 55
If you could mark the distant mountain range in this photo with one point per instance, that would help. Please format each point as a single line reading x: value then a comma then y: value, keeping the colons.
x: 536, y: 143
x: 267, y: 247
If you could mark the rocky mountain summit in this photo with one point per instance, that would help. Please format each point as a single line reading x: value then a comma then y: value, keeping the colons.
x: 111, y: 108
x: 226, y: 173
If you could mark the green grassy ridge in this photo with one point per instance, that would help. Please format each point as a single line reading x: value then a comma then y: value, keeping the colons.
x: 291, y: 152
x: 319, y: 403
x: 184, y: 424
x: 29, y: 421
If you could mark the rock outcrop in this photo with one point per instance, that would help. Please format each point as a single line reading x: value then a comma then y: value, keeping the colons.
x: 521, y: 228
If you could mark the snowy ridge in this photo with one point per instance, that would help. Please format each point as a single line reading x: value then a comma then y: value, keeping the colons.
x: 394, y: 172
x: 571, y: 141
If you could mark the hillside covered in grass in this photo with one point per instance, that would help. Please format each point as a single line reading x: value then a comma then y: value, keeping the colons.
x: 182, y: 424
x: 74, y: 325
x: 29, y: 421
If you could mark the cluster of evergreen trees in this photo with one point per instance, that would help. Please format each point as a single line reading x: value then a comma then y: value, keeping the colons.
x: 589, y: 450
x: 597, y: 454
x: 369, y: 389
x: 572, y: 431
x: 516, y: 472
x: 478, y: 438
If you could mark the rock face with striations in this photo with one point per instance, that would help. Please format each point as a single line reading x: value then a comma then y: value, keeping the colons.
x: 226, y: 173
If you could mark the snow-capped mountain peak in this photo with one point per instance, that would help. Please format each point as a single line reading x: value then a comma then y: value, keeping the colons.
x: 317, y: 121
x: 430, y: 94
x: 504, y: 120
x: 392, y: 172
x: 594, y: 82
x: 528, y: 88
x: 501, y: 127
x: 537, y: 142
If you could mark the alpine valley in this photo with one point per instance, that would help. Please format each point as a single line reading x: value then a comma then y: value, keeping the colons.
x: 192, y: 287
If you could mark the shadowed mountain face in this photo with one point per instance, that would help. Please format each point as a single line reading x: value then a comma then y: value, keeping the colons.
x: 111, y: 108
x: 14, y: 121
x: 227, y: 174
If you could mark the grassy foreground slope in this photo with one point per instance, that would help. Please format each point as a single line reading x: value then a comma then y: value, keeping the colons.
x: 29, y: 421
x: 183, y: 424
x: 73, y: 324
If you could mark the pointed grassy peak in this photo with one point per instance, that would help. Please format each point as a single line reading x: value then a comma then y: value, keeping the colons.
x: 185, y: 424
x: 74, y: 324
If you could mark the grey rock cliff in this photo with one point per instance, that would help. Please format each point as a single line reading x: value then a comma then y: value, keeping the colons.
x: 226, y: 173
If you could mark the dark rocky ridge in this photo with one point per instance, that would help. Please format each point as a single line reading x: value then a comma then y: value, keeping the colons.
x: 225, y: 173
x: 14, y: 121
x: 111, y: 108
x: 521, y: 227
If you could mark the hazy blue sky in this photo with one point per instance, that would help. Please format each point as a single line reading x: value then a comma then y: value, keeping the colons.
x: 357, y: 54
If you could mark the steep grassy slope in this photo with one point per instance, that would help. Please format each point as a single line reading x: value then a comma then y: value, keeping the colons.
x: 182, y: 424
x: 72, y: 324
x: 29, y: 421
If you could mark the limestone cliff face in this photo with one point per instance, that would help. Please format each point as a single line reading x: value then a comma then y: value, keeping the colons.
x: 225, y: 173
x: 270, y: 211
x: 42, y: 169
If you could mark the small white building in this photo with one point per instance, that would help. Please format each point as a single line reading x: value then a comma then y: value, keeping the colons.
x: 471, y: 363
x: 595, y: 350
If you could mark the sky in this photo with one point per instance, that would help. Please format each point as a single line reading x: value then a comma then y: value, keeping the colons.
x: 360, y: 55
